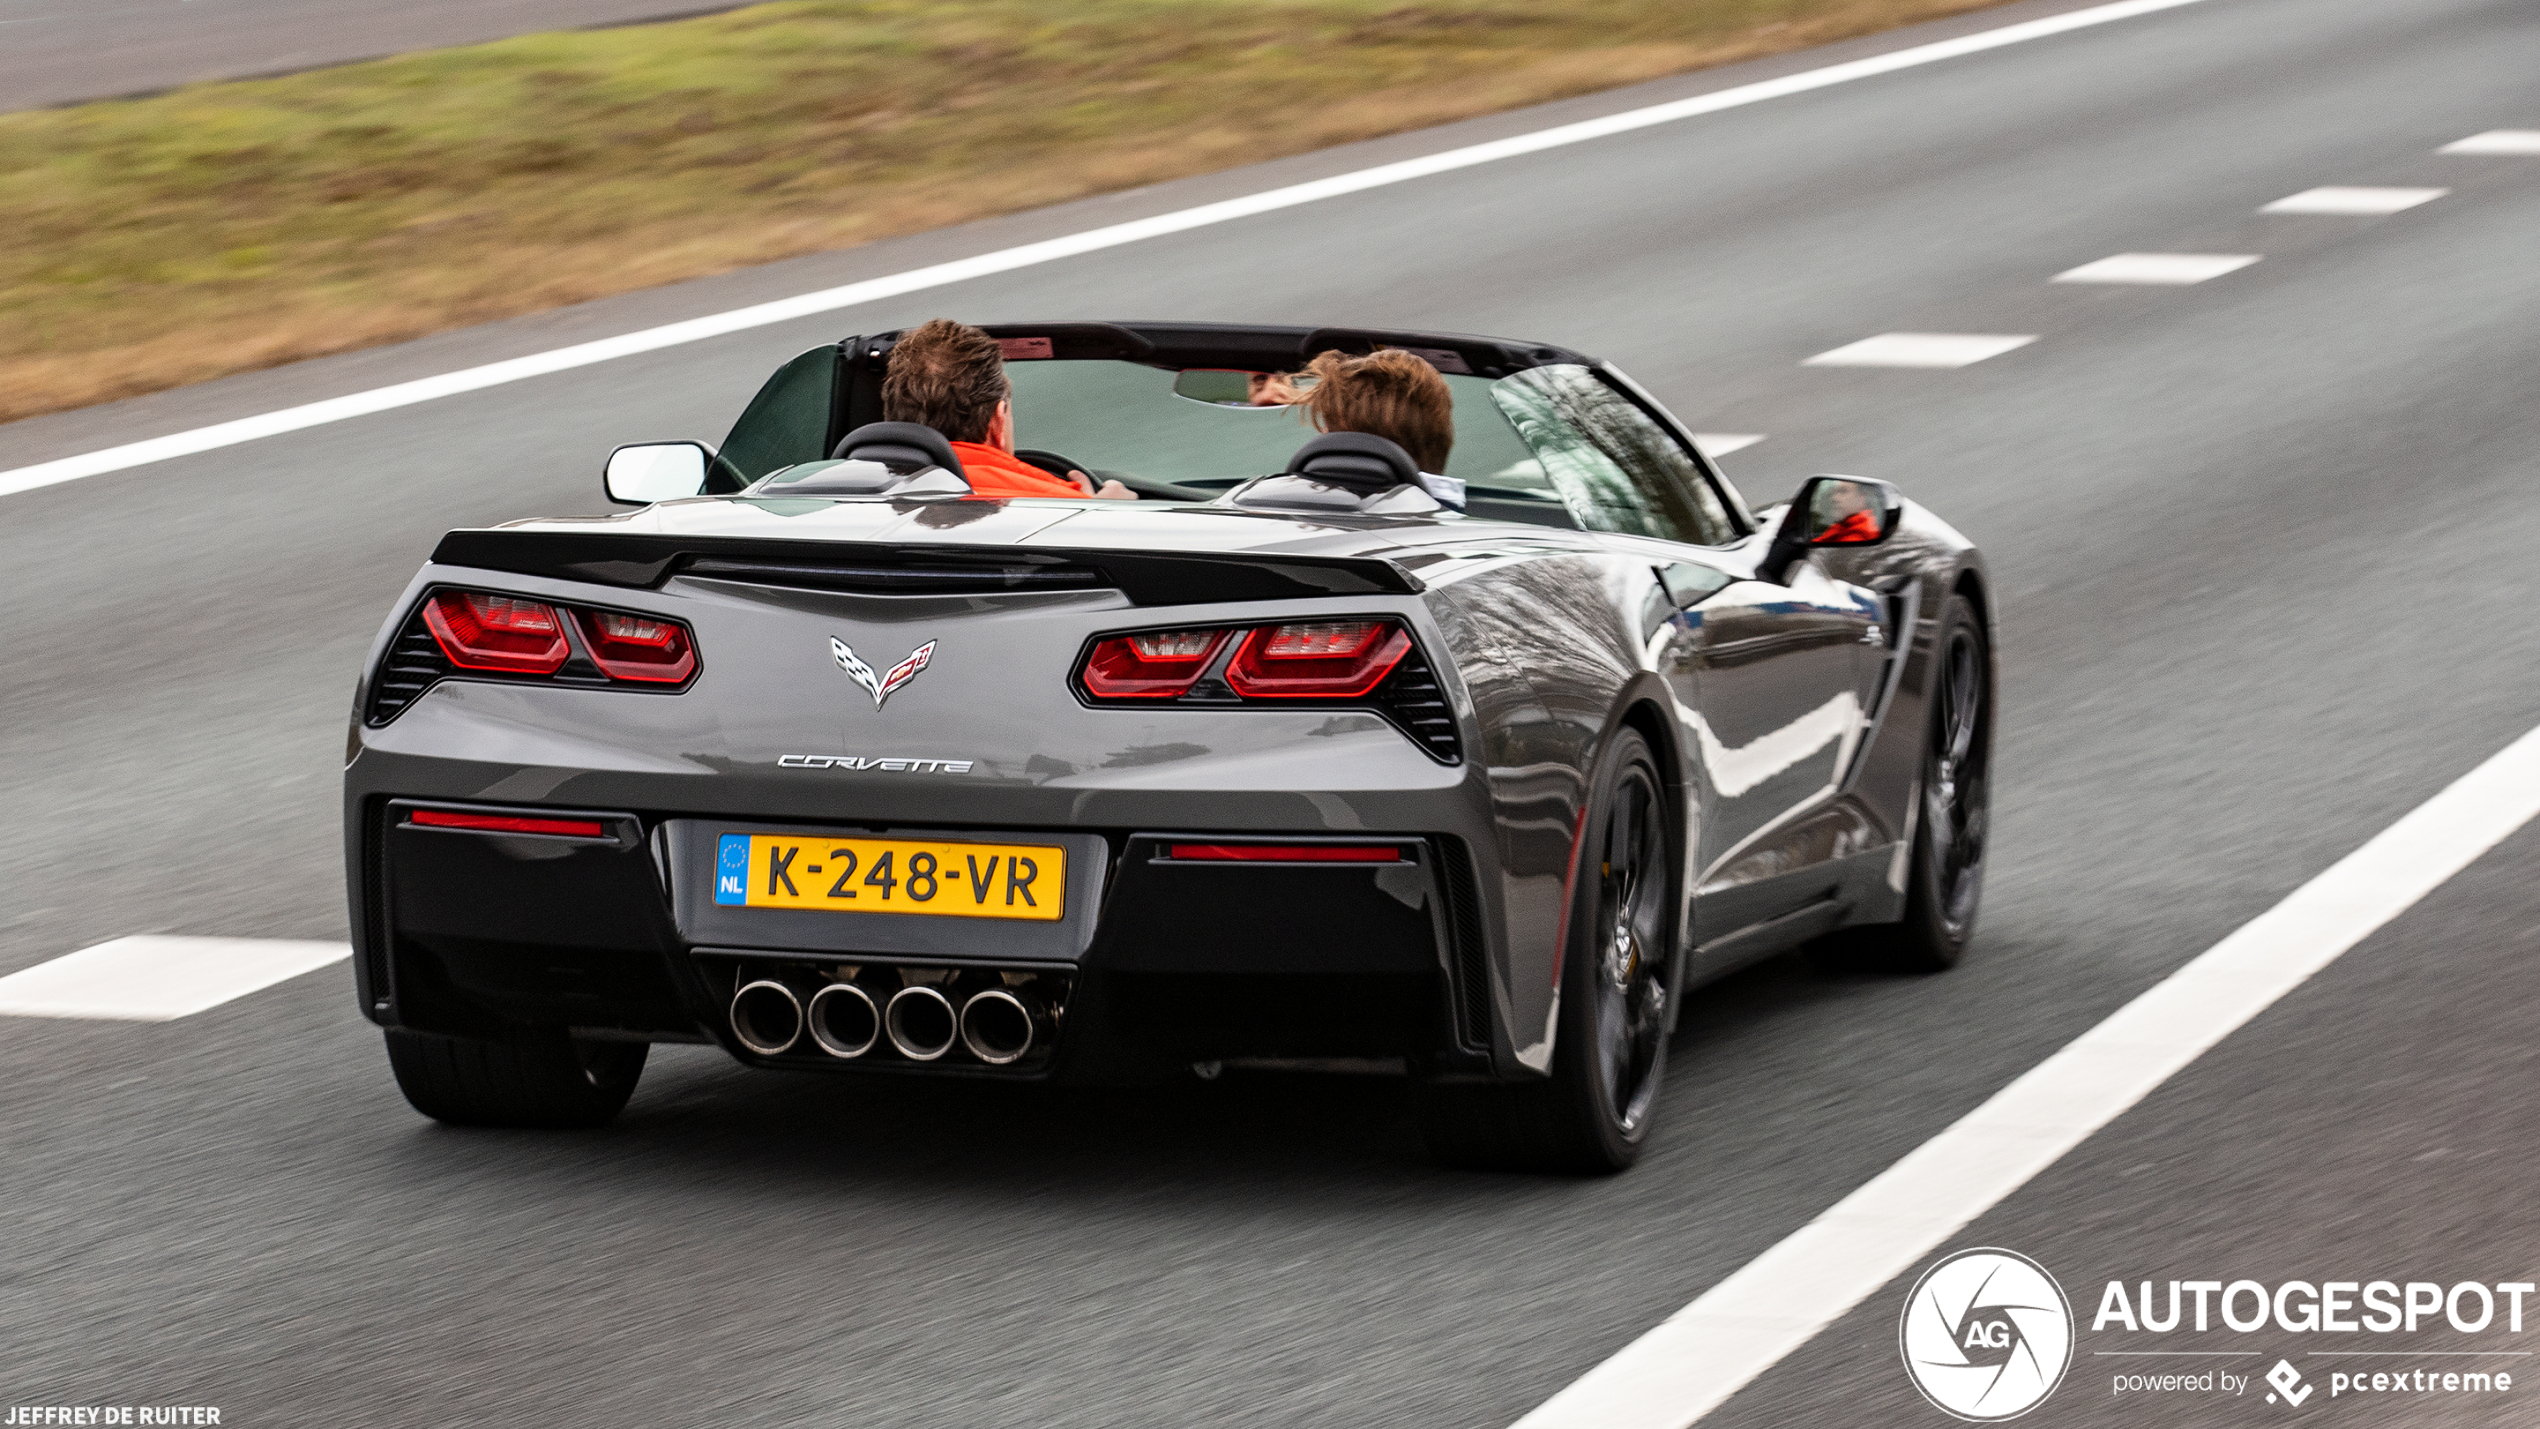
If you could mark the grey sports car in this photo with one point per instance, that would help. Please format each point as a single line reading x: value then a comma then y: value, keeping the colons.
x: 1306, y: 758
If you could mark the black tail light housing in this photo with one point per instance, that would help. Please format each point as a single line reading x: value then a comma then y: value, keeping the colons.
x: 513, y: 639
x: 1351, y: 662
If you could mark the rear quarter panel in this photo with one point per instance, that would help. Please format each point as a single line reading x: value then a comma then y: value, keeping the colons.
x: 1550, y: 656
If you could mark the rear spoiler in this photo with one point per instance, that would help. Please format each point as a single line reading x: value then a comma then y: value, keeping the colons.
x: 1146, y: 577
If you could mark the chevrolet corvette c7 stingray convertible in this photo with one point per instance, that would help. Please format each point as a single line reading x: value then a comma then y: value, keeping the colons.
x: 1306, y: 758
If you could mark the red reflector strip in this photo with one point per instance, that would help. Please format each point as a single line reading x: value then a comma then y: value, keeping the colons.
x: 1289, y: 853
x: 507, y: 824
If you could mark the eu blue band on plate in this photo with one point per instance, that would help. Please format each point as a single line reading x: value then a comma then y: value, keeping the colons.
x: 732, y: 869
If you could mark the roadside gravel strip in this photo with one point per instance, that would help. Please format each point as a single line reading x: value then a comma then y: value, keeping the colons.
x: 406, y: 394
x: 1691, y: 1363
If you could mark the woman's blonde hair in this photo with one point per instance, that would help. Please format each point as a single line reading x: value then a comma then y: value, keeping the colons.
x: 1388, y: 393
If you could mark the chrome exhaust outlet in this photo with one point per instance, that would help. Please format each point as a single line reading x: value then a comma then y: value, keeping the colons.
x: 921, y: 1023
x: 844, y: 1020
x: 766, y: 1017
x: 999, y: 1027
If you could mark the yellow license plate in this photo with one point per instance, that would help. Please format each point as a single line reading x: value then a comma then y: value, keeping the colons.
x: 943, y: 877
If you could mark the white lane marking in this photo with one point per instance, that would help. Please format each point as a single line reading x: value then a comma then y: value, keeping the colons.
x: 2352, y: 200
x: 2157, y: 268
x: 1921, y: 349
x: 1698, y: 1357
x: 1719, y: 444
x: 449, y: 384
x: 155, y: 979
x: 2496, y: 141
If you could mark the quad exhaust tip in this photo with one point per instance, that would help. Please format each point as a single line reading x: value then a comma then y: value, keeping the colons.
x: 766, y: 1017
x: 924, y: 1021
x: 998, y: 1027
x: 921, y: 1023
x: 844, y: 1020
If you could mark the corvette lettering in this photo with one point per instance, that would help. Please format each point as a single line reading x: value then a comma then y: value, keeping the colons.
x: 858, y: 761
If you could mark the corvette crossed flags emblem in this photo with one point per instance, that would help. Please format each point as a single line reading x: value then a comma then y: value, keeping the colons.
x: 880, y: 686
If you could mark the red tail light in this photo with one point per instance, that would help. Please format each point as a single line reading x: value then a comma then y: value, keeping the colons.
x: 497, y: 632
x: 638, y: 647
x: 1153, y: 665
x: 1288, y: 853
x: 1333, y: 659
x: 507, y: 824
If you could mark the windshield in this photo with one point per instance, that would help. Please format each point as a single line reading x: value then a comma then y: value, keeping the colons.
x: 1549, y: 446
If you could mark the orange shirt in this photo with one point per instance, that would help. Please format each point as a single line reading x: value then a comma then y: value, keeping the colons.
x: 1858, y: 528
x: 1001, y: 473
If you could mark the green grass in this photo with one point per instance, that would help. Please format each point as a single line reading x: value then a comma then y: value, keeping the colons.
x: 222, y: 227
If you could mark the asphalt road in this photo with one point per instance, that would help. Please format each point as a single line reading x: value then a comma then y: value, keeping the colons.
x: 2263, y: 546
x: 64, y: 51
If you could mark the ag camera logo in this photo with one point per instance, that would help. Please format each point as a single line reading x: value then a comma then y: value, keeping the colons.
x: 1987, y: 1334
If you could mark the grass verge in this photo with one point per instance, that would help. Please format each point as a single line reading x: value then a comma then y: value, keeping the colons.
x: 152, y: 242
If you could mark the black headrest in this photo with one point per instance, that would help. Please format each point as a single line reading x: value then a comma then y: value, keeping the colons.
x: 899, y: 444
x: 1355, y: 460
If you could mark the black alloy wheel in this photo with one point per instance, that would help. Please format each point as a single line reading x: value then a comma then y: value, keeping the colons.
x: 1617, y: 982
x: 1627, y: 987
x: 1957, y: 770
x: 1952, y: 813
x: 540, y: 1077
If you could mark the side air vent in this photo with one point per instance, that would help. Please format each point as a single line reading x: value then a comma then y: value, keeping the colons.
x: 962, y: 579
x: 1464, y: 926
x: 414, y: 664
x: 1411, y: 698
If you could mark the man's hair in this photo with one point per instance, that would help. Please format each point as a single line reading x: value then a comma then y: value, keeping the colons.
x: 1388, y: 393
x: 946, y: 375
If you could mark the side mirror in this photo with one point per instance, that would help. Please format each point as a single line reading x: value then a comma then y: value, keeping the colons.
x: 642, y: 473
x: 1832, y: 511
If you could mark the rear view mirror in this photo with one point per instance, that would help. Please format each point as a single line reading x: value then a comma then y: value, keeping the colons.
x: 645, y: 472
x: 1833, y: 511
x: 1227, y: 387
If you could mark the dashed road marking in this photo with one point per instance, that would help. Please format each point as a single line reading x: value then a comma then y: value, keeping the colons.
x: 1921, y: 349
x: 156, y: 978
x: 2157, y: 268
x: 1709, y: 1350
x: 2352, y: 200
x: 2496, y: 141
x: 1719, y: 444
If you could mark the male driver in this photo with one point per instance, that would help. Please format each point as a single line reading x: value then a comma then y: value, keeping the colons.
x: 951, y: 376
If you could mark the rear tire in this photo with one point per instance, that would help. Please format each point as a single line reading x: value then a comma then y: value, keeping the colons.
x: 1593, y: 1114
x: 540, y: 1078
x: 1946, y: 874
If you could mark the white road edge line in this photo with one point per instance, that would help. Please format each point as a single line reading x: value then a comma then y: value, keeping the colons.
x: 493, y: 374
x: 1712, y: 1348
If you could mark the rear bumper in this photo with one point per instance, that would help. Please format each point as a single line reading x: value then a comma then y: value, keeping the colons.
x: 1160, y: 961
